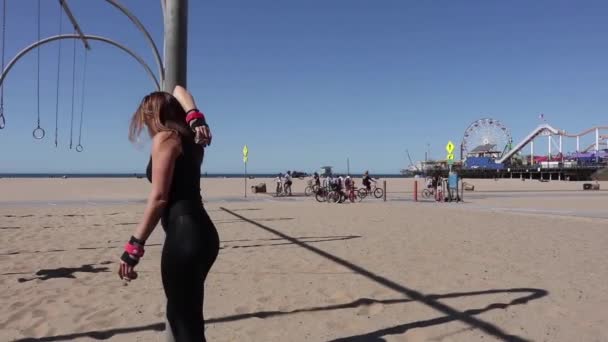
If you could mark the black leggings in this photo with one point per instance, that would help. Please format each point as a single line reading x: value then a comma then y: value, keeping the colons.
x: 191, y: 246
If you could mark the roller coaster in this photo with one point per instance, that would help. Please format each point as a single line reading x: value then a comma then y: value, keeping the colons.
x: 594, y: 150
x: 487, y: 150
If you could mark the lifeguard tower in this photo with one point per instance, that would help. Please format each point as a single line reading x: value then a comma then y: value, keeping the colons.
x: 326, y: 171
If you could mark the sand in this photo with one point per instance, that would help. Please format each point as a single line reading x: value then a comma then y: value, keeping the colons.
x: 517, y: 261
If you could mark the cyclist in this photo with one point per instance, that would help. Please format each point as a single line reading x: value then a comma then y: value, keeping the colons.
x: 435, y: 182
x: 367, y: 181
x: 316, y: 179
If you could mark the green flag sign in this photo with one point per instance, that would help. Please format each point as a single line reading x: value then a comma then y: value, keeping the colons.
x: 245, y: 154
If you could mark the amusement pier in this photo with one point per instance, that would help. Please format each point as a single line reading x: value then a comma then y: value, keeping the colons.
x: 487, y: 150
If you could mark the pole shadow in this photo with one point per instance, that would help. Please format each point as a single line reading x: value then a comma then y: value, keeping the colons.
x: 289, y: 243
x: 297, y: 237
x: 373, y: 336
x: 377, y: 336
x: 451, y: 313
x: 228, y: 221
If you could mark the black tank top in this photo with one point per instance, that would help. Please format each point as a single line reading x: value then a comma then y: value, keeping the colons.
x: 186, y: 182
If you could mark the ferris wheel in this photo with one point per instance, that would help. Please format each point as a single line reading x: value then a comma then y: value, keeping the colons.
x: 487, y: 131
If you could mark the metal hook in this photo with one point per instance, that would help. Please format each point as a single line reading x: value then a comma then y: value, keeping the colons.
x: 38, y: 133
x: 2, y: 120
x: 79, y: 148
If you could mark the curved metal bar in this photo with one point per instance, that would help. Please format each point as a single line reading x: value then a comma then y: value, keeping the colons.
x: 140, y: 26
x: 23, y: 52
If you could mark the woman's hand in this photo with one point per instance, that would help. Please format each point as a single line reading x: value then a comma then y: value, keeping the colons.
x: 126, y: 272
x: 134, y: 250
x: 203, y: 132
x: 200, y: 128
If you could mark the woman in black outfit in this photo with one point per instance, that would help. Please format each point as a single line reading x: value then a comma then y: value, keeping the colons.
x: 191, y: 243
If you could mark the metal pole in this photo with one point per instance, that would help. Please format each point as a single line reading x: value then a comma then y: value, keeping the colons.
x: 578, y: 145
x: 164, y: 6
x: 532, y: 152
x: 597, y: 145
x: 176, y: 44
x: 67, y: 10
x: 348, y: 166
x: 384, y: 185
x: 461, y: 149
x: 245, y: 179
x: 597, y: 140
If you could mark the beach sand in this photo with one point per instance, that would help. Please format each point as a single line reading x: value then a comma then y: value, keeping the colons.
x: 517, y: 261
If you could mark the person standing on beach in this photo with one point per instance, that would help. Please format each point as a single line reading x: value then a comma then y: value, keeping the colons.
x: 279, y: 181
x: 192, y: 242
x: 288, y: 183
x: 348, y: 183
x: 327, y: 181
x: 316, y: 180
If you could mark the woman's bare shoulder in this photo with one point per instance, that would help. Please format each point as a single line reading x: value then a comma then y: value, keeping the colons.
x: 166, y: 141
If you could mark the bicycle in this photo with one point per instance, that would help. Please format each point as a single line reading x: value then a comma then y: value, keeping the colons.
x: 376, y: 191
x: 283, y: 190
x: 353, y: 195
x: 311, y: 188
x: 335, y: 196
x: 428, y: 192
x: 339, y: 196
x: 326, y: 194
x: 321, y: 194
x: 279, y: 190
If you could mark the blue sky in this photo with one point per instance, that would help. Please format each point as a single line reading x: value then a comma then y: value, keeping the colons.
x: 310, y: 83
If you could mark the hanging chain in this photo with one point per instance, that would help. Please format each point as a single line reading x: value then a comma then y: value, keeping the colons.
x: 38, y: 66
x: 79, y: 147
x: 2, y: 120
x: 38, y: 132
x: 73, y: 89
x: 58, y: 77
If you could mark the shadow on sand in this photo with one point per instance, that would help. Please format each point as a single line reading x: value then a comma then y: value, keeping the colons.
x: 65, y: 272
x: 450, y: 314
x: 372, y: 336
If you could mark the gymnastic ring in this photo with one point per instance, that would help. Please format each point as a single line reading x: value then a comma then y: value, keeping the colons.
x: 2, y: 121
x: 79, y: 148
x: 38, y: 133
